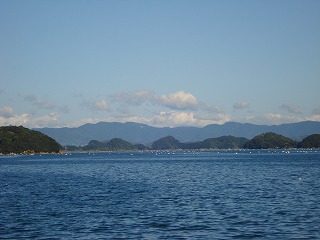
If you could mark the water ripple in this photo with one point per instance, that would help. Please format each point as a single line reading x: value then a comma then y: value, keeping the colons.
x: 207, y: 195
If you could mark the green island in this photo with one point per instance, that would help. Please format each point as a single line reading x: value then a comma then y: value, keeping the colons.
x: 312, y: 141
x: 270, y: 140
x: 21, y: 140
x: 263, y: 141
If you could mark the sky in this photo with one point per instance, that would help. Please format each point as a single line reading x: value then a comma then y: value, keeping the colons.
x: 164, y: 63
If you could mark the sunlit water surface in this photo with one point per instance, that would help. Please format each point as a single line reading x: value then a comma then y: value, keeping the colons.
x: 161, y: 195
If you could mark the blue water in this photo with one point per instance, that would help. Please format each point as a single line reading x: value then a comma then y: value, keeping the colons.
x: 161, y: 195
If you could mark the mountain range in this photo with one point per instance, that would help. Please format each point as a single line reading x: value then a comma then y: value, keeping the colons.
x: 142, y: 133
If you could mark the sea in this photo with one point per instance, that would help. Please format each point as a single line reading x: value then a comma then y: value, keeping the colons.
x: 239, y: 194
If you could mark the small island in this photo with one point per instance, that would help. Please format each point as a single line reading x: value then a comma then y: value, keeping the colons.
x: 224, y: 142
x: 312, y: 141
x: 263, y: 141
x: 270, y: 140
x: 21, y: 140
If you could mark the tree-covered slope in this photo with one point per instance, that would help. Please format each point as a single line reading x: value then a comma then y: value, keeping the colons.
x: 312, y: 141
x: 270, y: 140
x: 15, y: 139
x: 224, y: 142
x: 262, y: 141
x: 115, y: 144
x: 168, y: 142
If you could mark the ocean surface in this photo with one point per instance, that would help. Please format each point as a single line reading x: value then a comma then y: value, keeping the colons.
x: 270, y: 194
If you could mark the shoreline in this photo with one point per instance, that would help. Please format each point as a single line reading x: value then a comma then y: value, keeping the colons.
x: 65, y: 152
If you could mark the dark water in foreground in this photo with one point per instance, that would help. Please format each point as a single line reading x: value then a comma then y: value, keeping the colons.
x: 167, y: 195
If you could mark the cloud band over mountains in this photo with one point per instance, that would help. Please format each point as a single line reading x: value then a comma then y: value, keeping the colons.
x: 179, y: 108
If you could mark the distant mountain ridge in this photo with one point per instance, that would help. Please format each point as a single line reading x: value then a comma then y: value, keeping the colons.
x: 142, y: 133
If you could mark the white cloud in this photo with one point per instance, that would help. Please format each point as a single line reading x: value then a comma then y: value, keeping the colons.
x: 118, y: 118
x: 291, y: 109
x: 178, y: 100
x: 241, y: 105
x: 272, y: 119
x: 214, y: 119
x: 95, y: 106
x: 314, y: 118
x: 83, y: 121
x: 164, y: 119
x: 174, y: 119
x: 49, y: 120
x: 101, y: 105
x: 15, y: 120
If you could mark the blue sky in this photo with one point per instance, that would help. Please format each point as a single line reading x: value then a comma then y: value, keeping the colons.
x: 163, y: 63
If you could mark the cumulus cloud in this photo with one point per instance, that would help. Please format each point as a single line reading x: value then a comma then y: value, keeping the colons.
x: 174, y: 119
x: 273, y: 119
x: 15, y: 120
x: 169, y: 119
x: 290, y: 108
x: 97, y: 105
x: 101, y: 105
x: 114, y: 118
x: 241, y: 105
x: 27, y: 120
x: 214, y: 119
x: 179, y: 100
x: 51, y: 119
x: 314, y: 118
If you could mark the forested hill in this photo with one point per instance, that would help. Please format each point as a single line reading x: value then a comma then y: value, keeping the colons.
x: 18, y: 140
x: 115, y: 144
x: 224, y: 142
x: 165, y: 143
x: 312, y: 141
x: 263, y: 141
x: 270, y: 140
